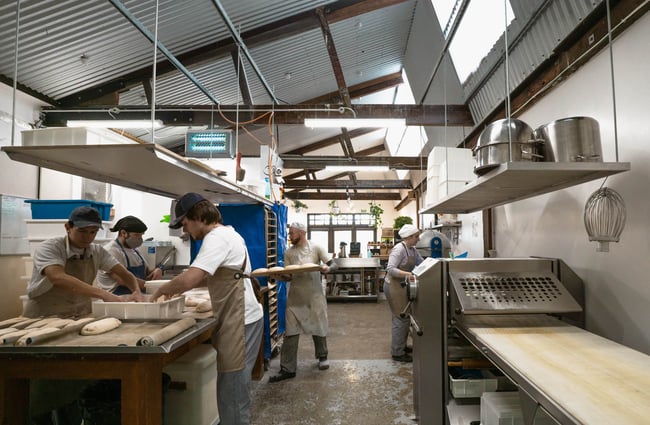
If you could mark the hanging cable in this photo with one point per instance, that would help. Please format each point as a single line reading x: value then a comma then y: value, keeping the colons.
x: 13, y: 100
x: 611, y: 65
x: 153, y: 78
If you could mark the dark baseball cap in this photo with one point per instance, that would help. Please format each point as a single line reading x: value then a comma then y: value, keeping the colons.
x: 183, y: 205
x: 130, y: 224
x: 85, y: 217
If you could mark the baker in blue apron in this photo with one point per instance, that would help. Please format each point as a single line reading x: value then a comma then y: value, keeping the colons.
x: 402, y: 260
x: 130, y: 231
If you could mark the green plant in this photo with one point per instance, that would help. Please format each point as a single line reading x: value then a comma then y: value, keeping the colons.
x: 298, y: 205
x: 376, y: 211
x: 402, y: 220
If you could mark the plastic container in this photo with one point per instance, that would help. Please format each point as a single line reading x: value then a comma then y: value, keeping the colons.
x: 467, y: 383
x: 504, y: 408
x: 49, y: 228
x: 52, y: 209
x: 170, y: 309
x: 192, y: 396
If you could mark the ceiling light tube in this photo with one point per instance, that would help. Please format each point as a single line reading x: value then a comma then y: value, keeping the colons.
x: 345, y: 168
x: 354, y: 122
x: 114, y: 123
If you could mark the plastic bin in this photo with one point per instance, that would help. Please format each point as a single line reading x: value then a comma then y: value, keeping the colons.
x: 169, y: 309
x: 504, y: 408
x: 52, y: 209
x: 467, y: 383
x: 192, y: 395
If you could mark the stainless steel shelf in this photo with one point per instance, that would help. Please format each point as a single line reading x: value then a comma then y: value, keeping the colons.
x: 514, y: 181
x: 146, y: 167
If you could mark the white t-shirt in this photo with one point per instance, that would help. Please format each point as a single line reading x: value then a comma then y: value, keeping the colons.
x: 56, y: 251
x: 224, y: 247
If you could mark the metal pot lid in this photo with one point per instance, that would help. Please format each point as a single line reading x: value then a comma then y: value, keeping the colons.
x: 497, y: 132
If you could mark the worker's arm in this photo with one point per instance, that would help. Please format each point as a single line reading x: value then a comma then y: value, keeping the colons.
x: 56, y: 274
x: 189, y: 279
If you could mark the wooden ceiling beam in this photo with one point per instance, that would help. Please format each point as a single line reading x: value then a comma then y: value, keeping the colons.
x: 341, y: 196
x: 347, y: 184
x: 319, y: 162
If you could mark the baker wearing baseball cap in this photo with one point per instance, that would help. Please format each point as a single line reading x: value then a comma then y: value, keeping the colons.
x: 183, y: 206
x: 65, y: 268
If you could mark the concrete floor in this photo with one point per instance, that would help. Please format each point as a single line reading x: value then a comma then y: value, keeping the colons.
x: 362, y: 386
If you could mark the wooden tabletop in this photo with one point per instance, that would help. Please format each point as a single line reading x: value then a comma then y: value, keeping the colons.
x: 595, y: 380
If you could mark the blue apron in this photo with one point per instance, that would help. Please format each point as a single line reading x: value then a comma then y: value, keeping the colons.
x: 139, y: 272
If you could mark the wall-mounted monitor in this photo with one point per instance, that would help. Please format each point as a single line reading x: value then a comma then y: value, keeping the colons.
x: 209, y: 144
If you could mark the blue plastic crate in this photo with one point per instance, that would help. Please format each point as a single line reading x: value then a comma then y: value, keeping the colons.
x: 58, y: 209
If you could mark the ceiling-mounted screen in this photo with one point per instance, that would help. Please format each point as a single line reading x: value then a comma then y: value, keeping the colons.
x: 209, y: 144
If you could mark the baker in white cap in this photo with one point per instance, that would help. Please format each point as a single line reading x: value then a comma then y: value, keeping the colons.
x: 402, y: 260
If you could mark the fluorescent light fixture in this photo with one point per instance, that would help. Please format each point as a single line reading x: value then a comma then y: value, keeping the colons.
x: 355, y: 122
x: 114, y: 123
x: 346, y: 168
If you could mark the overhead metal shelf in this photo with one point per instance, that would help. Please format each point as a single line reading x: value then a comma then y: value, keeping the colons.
x: 146, y: 167
x: 514, y: 181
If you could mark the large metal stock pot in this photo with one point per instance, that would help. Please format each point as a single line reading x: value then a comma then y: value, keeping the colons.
x: 496, y: 140
x: 574, y: 139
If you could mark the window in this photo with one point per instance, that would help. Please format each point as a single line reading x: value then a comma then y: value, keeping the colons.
x: 331, y: 230
x: 482, y: 25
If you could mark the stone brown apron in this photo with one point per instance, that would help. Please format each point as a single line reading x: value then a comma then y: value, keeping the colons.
x: 398, y: 299
x: 62, y: 303
x: 229, y: 337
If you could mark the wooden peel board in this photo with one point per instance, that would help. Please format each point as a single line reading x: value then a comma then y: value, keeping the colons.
x: 595, y: 380
x: 301, y: 269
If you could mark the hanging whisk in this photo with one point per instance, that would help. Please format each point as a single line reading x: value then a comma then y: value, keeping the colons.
x: 604, y: 217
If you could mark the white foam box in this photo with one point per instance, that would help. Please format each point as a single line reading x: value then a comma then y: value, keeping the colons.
x: 71, y: 136
x: 504, y: 408
x: 431, y: 195
x: 468, y: 383
x: 152, y: 286
x: 192, y: 396
x: 459, y: 170
x: 49, y: 228
x: 169, y: 309
x: 450, y: 187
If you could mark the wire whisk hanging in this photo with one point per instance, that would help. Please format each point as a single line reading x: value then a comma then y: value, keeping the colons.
x: 604, y: 217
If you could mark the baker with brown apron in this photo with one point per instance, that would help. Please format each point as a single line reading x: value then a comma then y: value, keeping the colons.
x: 62, y: 285
x: 402, y: 260
x: 222, y: 263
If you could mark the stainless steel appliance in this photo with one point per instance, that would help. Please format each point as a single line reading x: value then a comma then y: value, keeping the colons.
x: 446, y: 295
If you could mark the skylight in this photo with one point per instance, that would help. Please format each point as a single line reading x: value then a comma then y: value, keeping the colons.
x: 482, y: 25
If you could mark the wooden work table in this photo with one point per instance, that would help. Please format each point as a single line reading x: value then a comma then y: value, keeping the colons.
x: 577, y: 376
x: 113, y: 355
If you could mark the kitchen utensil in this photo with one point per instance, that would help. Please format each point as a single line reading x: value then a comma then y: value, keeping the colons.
x: 604, y: 217
x: 239, y: 172
x: 496, y: 140
x: 574, y: 139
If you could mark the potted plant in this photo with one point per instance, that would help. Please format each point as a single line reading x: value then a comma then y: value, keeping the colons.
x: 402, y: 220
x: 299, y: 206
x: 334, y: 207
x: 376, y: 211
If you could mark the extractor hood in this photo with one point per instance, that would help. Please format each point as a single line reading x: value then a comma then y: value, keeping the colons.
x: 146, y: 167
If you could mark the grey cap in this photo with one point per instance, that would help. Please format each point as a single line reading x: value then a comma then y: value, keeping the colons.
x: 85, y: 217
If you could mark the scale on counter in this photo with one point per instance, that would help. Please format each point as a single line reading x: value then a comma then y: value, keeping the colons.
x: 512, y: 292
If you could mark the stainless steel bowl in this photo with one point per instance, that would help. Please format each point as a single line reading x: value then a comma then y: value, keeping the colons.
x: 495, y: 142
x: 574, y: 139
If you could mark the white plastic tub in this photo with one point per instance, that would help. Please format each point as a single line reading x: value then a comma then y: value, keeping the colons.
x: 170, y: 309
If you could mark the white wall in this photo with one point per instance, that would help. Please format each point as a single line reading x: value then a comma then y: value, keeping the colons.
x: 617, y: 282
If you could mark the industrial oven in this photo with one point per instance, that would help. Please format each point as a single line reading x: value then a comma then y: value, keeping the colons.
x: 449, y: 297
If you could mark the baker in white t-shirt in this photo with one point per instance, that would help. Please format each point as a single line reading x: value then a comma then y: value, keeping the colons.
x: 221, y: 262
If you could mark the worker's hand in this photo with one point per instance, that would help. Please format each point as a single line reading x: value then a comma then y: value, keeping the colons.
x: 156, y: 274
x: 137, y: 297
x: 324, y: 268
x: 109, y: 297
